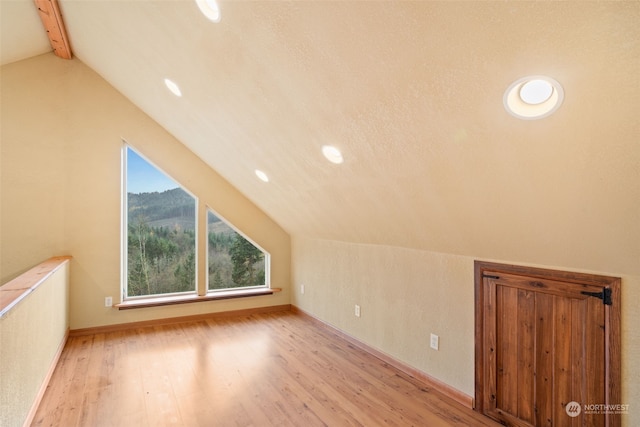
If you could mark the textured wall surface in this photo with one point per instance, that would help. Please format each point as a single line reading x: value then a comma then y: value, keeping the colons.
x: 61, y: 187
x: 30, y: 335
x: 405, y: 295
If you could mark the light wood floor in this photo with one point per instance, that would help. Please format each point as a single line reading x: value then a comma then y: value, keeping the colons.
x: 274, y: 369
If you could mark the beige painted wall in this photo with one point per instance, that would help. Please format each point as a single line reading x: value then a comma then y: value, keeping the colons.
x: 31, y: 333
x: 62, y: 131
x: 406, y: 294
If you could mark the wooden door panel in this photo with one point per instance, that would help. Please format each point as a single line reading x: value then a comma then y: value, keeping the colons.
x: 578, y: 367
x: 506, y: 350
x: 543, y: 346
x: 563, y: 354
x: 489, y: 334
x: 543, y: 365
x: 547, y: 286
x: 594, y: 359
x: 526, y: 361
x: 541, y: 343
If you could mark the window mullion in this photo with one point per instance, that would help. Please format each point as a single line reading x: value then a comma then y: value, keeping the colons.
x: 202, y: 247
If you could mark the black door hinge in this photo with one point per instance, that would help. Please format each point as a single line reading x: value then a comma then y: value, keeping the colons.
x: 605, y: 295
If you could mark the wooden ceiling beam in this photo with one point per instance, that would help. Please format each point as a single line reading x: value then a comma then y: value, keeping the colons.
x: 49, y: 12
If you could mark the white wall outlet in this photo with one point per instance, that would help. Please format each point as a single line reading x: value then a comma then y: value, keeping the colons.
x: 435, y: 341
x: 108, y: 301
x: 357, y: 310
x: 302, y: 289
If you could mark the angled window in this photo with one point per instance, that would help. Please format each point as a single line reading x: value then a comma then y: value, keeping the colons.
x: 160, y: 231
x: 234, y: 262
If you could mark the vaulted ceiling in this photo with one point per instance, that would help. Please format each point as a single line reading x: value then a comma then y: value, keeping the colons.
x: 411, y: 93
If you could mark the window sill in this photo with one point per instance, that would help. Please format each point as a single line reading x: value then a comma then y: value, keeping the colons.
x: 187, y: 299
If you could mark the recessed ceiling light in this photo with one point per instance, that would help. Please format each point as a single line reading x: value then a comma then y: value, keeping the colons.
x: 536, y: 91
x: 263, y: 176
x: 210, y: 9
x: 533, y: 97
x: 172, y: 87
x: 332, y: 154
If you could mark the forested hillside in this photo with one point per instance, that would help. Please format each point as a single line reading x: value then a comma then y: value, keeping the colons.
x: 161, y: 247
x: 159, y: 209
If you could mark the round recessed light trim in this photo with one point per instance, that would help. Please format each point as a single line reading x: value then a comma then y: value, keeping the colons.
x: 210, y: 9
x: 263, y: 176
x: 533, y: 97
x: 332, y: 154
x: 173, y: 87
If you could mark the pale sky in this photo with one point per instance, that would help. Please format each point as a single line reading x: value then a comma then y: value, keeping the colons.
x: 143, y: 177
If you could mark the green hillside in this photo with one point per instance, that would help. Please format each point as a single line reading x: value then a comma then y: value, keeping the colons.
x: 164, y: 209
x: 161, y: 247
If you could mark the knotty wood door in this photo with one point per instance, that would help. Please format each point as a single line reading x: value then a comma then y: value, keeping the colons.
x: 543, y: 343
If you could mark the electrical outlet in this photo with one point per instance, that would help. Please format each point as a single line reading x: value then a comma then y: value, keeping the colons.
x: 108, y: 301
x: 357, y: 310
x: 302, y: 289
x: 435, y: 341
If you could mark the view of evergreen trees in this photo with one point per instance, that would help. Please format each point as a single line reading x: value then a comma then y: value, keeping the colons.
x: 161, y: 242
x: 233, y: 261
x: 161, y: 247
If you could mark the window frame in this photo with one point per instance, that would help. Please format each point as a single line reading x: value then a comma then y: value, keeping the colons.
x: 124, y: 221
x: 266, y: 254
